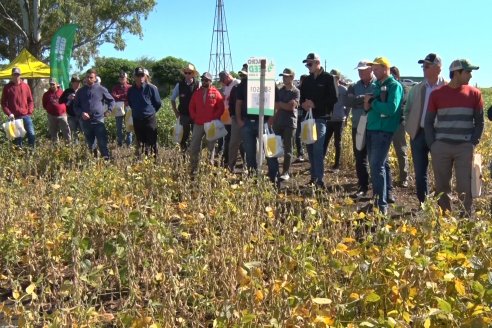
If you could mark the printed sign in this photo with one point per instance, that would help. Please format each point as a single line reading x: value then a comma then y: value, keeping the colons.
x: 254, y: 71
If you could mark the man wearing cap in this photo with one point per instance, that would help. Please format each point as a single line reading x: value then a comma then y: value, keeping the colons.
x: 67, y: 98
x: 57, y: 112
x: 145, y: 102
x: 228, y: 82
x: 184, y: 89
x: 89, y: 105
x: 17, y: 103
x: 355, y: 98
x: 415, y: 112
x: 383, y: 109
x: 119, y: 94
x: 453, y: 127
x: 336, y: 120
x: 319, y: 94
x: 206, y: 105
x: 285, y: 120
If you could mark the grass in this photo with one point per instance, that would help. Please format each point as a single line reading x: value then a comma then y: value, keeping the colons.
x: 85, y: 243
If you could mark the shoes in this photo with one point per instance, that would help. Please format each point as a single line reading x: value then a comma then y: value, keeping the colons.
x: 404, y: 184
x: 285, y: 177
x: 301, y: 159
x: 361, y: 193
x: 390, y: 199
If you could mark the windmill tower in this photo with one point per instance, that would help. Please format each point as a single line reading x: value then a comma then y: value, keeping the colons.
x: 220, y: 50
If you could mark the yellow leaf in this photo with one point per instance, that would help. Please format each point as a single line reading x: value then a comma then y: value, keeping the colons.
x: 321, y: 301
x: 349, y: 201
x: 30, y: 289
x: 354, y: 296
x: 182, y: 206
x: 348, y: 240
x: 448, y: 276
x: 342, y: 247
x: 159, y: 276
x: 362, y: 215
x: 15, y: 295
x: 242, y: 276
x: 324, y: 319
x: 427, y: 323
x: 259, y: 296
x: 460, y: 288
x: 406, y: 317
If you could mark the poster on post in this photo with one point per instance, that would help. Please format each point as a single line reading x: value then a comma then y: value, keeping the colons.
x: 254, y: 71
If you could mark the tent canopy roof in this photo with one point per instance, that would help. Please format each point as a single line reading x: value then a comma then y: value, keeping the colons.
x: 29, y: 65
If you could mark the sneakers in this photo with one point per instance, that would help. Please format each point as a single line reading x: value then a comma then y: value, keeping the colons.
x: 285, y: 177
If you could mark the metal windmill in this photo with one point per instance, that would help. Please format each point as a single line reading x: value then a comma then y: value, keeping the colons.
x: 220, y: 50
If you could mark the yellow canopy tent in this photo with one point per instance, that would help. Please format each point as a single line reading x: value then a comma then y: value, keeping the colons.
x: 30, y: 67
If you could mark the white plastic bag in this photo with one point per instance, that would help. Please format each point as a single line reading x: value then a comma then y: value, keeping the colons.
x: 129, y: 121
x: 178, y: 131
x: 14, y: 129
x: 309, y: 133
x: 272, y: 144
x: 360, y: 137
x: 476, y: 184
x: 214, y: 130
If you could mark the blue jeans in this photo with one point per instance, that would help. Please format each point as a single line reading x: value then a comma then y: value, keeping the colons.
x: 420, y: 155
x: 316, y: 153
x: 249, y: 132
x: 29, y: 127
x: 120, y: 122
x: 96, y: 130
x: 378, y: 144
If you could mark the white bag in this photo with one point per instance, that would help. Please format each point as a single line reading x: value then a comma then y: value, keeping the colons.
x: 476, y: 183
x: 14, y: 129
x: 309, y: 133
x: 272, y: 144
x: 119, y: 109
x: 214, y: 130
x: 360, y: 137
x: 129, y: 121
x: 178, y: 131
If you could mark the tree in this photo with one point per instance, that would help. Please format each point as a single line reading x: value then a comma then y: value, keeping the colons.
x: 166, y: 73
x: 30, y: 24
x: 109, y: 68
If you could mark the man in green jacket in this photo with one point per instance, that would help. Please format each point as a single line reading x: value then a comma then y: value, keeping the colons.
x: 383, y: 118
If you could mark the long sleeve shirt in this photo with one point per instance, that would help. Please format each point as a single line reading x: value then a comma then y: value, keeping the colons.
x: 206, y: 104
x: 51, y: 103
x: 322, y: 91
x: 17, y: 99
x: 145, y: 100
x: 91, y: 100
x: 120, y: 92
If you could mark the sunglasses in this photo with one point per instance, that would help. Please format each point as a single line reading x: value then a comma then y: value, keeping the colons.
x: 309, y: 64
x: 188, y: 73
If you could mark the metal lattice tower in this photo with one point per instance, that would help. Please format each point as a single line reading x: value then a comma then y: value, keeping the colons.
x: 220, y: 50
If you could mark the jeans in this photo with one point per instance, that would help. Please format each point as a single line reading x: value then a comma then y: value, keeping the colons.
x: 378, y: 144
x: 96, y: 130
x: 29, y: 127
x: 300, y: 118
x: 196, y: 147
x: 249, y: 133
x: 361, y: 164
x: 316, y: 151
x: 420, y: 155
x: 75, y: 127
x: 334, y: 128
x: 235, y: 144
x: 146, y: 134
x: 120, y: 127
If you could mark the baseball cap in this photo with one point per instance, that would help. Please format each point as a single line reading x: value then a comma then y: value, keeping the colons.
x: 53, y: 81
x: 206, y: 76
x: 123, y: 74
x: 335, y: 72
x: 311, y: 56
x: 223, y: 75
x: 287, y: 72
x: 75, y: 78
x: 462, y: 64
x: 146, y: 72
x: 431, y: 58
x: 363, y: 64
x: 383, y: 61
x: 16, y: 70
x: 139, y: 71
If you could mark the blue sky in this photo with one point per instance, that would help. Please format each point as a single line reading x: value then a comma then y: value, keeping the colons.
x: 341, y: 32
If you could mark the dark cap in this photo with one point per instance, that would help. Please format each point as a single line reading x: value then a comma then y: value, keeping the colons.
x: 139, y: 71
x: 16, y: 70
x: 206, y: 76
x: 123, y: 74
x: 223, y: 75
x: 75, y: 78
x: 431, y: 58
x: 311, y: 56
x: 287, y: 72
x: 53, y: 81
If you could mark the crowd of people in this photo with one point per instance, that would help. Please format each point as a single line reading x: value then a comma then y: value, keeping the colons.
x: 444, y: 119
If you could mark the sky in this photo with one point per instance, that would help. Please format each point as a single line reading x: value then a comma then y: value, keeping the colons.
x: 341, y: 32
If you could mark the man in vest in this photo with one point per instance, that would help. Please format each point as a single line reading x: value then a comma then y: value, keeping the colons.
x: 184, y: 90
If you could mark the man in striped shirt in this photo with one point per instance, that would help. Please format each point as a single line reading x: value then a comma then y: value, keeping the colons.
x: 453, y: 127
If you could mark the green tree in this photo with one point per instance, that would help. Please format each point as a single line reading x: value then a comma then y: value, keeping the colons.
x: 166, y: 73
x: 109, y: 68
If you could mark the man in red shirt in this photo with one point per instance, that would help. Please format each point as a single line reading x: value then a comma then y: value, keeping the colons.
x: 17, y: 103
x: 119, y: 94
x: 57, y: 113
x: 206, y: 105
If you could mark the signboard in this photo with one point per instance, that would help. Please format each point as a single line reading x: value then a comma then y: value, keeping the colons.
x: 254, y: 71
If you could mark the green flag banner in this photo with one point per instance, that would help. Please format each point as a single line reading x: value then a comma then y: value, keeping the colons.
x: 61, y: 52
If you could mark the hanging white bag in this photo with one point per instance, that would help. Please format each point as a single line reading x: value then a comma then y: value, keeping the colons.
x: 14, y: 129
x: 178, y: 131
x: 476, y: 183
x: 272, y: 144
x: 309, y: 133
x: 214, y: 130
x: 360, y: 136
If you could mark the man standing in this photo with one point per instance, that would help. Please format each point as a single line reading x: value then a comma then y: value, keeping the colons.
x: 57, y: 112
x: 67, y: 98
x: 336, y: 121
x: 206, y: 105
x: 17, y: 103
x: 184, y: 89
x: 453, y: 127
x: 300, y: 117
x: 228, y: 82
x: 318, y: 95
x: 415, y: 112
x: 89, y: 106
x: 285, y: 119
x: 119, y: 94
x: 383, y: 118
x: 356, y: 93
x: 145, y: 102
